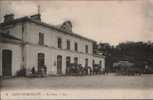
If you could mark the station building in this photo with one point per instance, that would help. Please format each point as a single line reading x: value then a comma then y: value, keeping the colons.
x: 28, y: 42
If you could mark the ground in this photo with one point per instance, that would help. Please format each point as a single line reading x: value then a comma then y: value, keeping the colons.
x: 80, y: 82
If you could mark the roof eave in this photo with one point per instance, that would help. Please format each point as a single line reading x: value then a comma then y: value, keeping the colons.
x: 44, y: 24
x: 57, y: 29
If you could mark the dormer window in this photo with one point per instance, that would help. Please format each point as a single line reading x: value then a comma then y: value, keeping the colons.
x: 41, y: 38
x: 67, y: 26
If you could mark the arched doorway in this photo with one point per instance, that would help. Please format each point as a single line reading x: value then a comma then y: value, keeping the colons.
x: 7, y: 62
x: 59, y: 64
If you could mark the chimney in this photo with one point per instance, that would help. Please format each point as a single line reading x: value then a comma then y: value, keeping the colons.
x: 36, y: 17
x: 8, y: 17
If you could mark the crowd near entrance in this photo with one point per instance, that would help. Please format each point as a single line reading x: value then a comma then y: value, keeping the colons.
x: 72, y: 67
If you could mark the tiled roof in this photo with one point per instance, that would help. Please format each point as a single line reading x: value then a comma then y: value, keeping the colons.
x: 46, y: 25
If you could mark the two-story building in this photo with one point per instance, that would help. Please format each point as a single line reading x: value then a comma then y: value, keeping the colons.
x: 33, y: 43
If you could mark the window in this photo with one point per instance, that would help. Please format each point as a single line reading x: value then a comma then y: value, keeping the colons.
x: 41, y: 38
x: 76, y: 46
x: 59, y: 43
x: 68, y: 44
x: 76, y: 60
x: 86, y: 62
x: 93, y: 62
x: 68, y: 61
x: 100, y: 62
x: 86, y: 49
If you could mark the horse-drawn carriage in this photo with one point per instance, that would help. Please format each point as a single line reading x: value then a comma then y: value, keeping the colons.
x: 73, y: 69
x: 78, y: 69
x: 127, y: 68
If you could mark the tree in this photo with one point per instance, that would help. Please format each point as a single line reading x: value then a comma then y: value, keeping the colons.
x: 140, y: 53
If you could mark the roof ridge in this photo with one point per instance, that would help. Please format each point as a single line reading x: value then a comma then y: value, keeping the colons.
x: 26, y: 18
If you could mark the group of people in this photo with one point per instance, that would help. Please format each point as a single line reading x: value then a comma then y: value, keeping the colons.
x: 78, y: 69
x: 42, y: 71
x: 74, y: 69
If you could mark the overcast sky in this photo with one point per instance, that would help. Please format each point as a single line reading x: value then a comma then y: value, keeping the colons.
x: 104, y: 21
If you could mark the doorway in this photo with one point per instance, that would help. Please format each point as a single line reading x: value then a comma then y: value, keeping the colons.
x: 41, y: 61
x: 59, y: 64
x: 68, y: 62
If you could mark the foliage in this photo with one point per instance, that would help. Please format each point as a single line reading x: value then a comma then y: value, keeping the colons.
x: 140, y: 53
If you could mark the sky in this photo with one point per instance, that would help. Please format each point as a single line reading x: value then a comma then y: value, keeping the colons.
x: 111, y: 21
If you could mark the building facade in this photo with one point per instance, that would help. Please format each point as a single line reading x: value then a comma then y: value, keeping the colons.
x: 37, y: 43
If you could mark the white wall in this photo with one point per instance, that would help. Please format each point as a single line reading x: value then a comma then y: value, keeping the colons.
x: 32, y: 57
x: 31, y: 35
x: 51, y: 58
x: 52, y: 35
x: 51, y: 54
x: 16, y: 56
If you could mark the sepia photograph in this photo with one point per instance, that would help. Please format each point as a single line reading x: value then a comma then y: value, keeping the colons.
x: 76, y: 49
